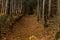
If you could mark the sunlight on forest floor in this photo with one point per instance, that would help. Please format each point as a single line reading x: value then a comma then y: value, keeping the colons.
x: 2, y: 14
x: 33, y: 37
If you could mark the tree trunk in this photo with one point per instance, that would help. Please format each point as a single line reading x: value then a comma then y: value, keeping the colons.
x: 0, y: 5
x: 49, y: 9
x: 38, y: 11
x: 46, y: 13
x: 43, y: 9
x: 58, y: 15
x: 57, y: 36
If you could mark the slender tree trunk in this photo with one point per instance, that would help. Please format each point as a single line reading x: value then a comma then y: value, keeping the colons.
x: 58, y: 15
x: 6, y: 6
x: 43, y: 8
x: 57, y: 36
x: 0, y: 5
x: 43, y: 11
x: 21, y: 7
x: 46, y: 14
x: 49, y: 9
x: 38, y: 10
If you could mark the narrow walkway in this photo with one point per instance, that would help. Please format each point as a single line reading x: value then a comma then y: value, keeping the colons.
x: 29, y: 29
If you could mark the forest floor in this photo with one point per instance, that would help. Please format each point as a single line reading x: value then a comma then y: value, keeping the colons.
x: 28, y: 28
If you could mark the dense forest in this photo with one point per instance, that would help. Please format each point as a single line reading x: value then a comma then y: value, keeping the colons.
x: 13, y: 11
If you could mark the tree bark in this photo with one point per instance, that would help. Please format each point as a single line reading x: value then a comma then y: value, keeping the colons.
x: 49, y: 9
x: 38, y: 10
x: 58, y: 15
x: 57, y: 36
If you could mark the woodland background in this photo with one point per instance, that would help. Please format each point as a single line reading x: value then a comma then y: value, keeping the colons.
x: 29, y: 19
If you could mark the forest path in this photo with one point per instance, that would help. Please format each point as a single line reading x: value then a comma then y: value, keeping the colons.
x: 29, y: 29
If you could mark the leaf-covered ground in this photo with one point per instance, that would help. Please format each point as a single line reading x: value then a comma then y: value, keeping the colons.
x: 28, y: 28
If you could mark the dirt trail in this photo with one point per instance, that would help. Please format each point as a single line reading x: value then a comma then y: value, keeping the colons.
x: 29, y: 29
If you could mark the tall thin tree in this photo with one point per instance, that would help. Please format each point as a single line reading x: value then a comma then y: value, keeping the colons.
x: 43, y: 9
x: 46, y: 14
x: 57, y: 36
x: 38, y: 9
x: 6, y: 6
x: 49, y: 9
